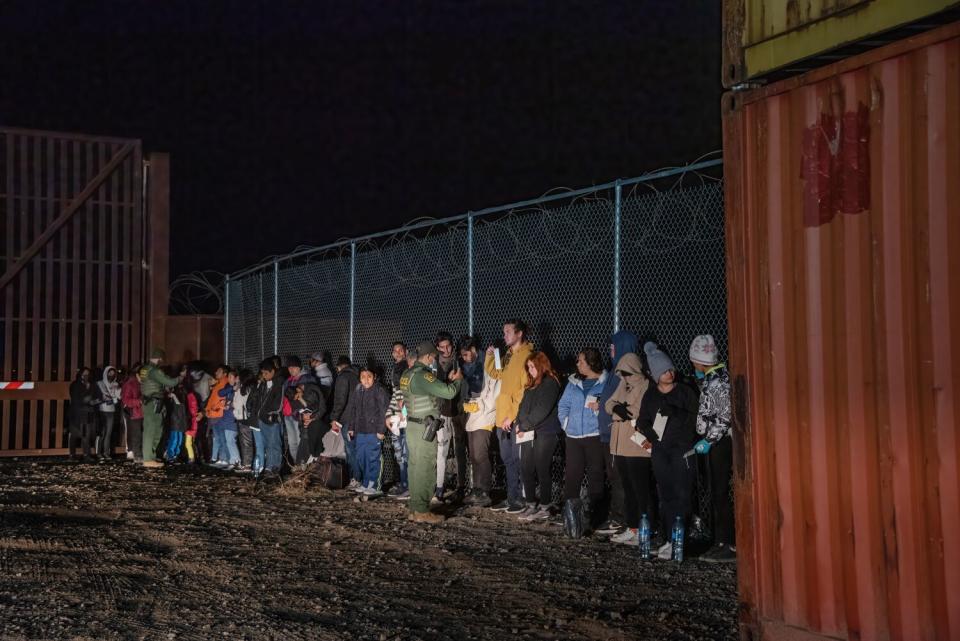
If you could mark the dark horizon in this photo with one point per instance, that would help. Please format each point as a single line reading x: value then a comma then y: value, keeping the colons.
x: 316, y: 121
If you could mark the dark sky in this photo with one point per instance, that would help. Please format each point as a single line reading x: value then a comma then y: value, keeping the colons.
x: 295, y: 123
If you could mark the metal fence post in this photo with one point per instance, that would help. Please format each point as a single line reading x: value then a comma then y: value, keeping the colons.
x: 276, y: 306
x: 353, y: 284
x: 226, y: 319
x: 470, y: 273
x: 616, y: 255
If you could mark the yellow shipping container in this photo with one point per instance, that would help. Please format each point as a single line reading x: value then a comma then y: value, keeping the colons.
x: 770, y: 37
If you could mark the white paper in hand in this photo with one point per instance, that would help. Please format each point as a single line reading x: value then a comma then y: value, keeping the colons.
x: 526, y: 436
x: 660, y: 425
x: 496, y: 359
x: 590, y: 399
x: 638, y: 438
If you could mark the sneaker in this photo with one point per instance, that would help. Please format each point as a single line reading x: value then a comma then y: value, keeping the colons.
x: 541, y: 514
x: 130, y: 456
x: 720, y: 554
x: 527, y: 514
x: 354, y: 484
x: 358, y: 488
x: 221, y: 465
x: 479, y: 498
x: 665, y: 552
x: 435, y: 501
x: 395, y: 491
x: 403, y: 496
x: 610, y: 527
x: 311, y: 460
x: 627, y: 537
x: 370, y: 491
x: 515, y: 508
x: 502, y: 506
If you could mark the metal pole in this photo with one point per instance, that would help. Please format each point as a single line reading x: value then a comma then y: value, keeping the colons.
x: 353, y: 283
x: 470, y: 273
x: 616, y: 256
x: 276, y: 306
x: 226, y: 319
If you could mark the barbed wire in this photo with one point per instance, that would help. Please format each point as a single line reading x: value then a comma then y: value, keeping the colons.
x: 197, y: 293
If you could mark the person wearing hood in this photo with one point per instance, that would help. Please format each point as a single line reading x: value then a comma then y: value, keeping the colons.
x: 621, y: 344
x: 668, y: 420
x: 83, y: 402
x: 580, y: 421
x: 512, y: 375
x: 202, y: 383
x: 716, y: 443
x: 291, y: 422
x: 109, y: 391
x: 245, y: 421
x: 133, y: 412
x: 321, y: 371
x: 631, y: 454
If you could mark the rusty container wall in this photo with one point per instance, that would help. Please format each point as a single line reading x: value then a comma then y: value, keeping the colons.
x: 75, y: 274
x: 843, y: 231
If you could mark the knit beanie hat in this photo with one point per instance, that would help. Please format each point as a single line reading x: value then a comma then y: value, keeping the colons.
x: 703, y: 350
x: 659, y: 362
x: 317, y: 356
x: 292, y: 361
x: 158, y: 353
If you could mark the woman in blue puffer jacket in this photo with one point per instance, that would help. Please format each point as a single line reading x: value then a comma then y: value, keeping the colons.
x: 578, y: 413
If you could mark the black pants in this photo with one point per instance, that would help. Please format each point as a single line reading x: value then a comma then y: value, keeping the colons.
x: 245, y: 441
x: 613, y: 504
x: 83, y: 430
x: 584, y: 455
x: 535, y: 459
x: 720, y: 462
x: 460, y: 449
x: 675, y: 476
x: 135, y: 437
x: 634, y: 473
x: 480, y: 459
x: 105, y: 444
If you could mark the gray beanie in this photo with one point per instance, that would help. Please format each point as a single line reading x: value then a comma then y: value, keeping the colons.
x: 659, y: 362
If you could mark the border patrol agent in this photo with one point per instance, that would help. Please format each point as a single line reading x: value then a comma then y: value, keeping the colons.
x: 152, y: 389
x: 422, y: 392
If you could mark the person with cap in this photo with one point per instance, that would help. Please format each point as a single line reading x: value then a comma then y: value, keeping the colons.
x: 291, y: 421
x: 668, y: 419
x: 153, y: 389
x: 716, y: 443
x: 421, y: 394
x: 321, y: 371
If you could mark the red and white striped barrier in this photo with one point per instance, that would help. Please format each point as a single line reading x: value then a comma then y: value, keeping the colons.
x: 12, y: 385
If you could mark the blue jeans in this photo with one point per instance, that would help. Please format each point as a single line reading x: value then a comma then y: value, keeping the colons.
x: 350, y: 446
x: 219, y: 448
x: 272, y: 446
x: 258, y: 445
x: 230, y: 443
x: 510, y: 453
x: 402, y: 455
x: 174, y: 443
x: 368, y: 459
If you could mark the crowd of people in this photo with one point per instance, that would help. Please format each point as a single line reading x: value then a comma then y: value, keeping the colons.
x: 628, y: 432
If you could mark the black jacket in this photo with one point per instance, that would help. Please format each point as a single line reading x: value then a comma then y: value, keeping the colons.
x: 680, y: 407
x: 83, y: 398
x: 313, y: 401
x: 366, y: 409
x: 347, y: 381
x: 266, y: 403
x: 449, y: 407
x: 538, y: 408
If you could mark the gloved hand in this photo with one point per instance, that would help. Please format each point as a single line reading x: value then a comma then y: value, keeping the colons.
x: 621, y: 411
x: 702, y: 446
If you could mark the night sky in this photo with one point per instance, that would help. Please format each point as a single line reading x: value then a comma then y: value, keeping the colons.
x: 294, y: 123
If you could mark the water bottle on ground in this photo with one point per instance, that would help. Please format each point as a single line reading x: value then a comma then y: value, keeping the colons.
x: 644, y: 536
x: 676, y: 538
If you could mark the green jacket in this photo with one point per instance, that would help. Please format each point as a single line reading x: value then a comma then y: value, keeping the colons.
x: 154, y: 382
x: 422, y: 390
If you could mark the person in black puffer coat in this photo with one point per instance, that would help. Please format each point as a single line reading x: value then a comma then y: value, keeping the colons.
x: 363, y: 420
x: 538, y: 414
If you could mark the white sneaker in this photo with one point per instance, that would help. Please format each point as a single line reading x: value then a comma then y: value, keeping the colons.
x: 665, y: 553
x: 359, y: 488
x: 311, y: 460
x: 129, y: 456
x: 628, y: 537
x: 355, y: 486
x: 370, y: 491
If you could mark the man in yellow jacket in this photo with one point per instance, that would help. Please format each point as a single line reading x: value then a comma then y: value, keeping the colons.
x: 512, y: 375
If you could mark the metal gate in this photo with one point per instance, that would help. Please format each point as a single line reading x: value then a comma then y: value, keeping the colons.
x: 74, y: 288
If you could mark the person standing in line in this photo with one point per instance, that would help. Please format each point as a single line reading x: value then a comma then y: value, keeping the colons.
x: 538, y: 414
x: 512, y: 375
x: 133, y: 412
x: 716, y: 443
x: 109, y: 392
x: 265, y: 404
x: 363, y: 420
x: 248, y: 381
x: 396, y: 422
x: 213, y: 410
x: 399, y: 354
x: 83, y: 401
x: 291, y: 422
x: 454, y: 420
x: 348, y: 377
x: 321, y: 371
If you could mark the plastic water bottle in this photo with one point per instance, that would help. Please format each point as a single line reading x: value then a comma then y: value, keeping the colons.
x: 644, y: 537
x: 676, y: 539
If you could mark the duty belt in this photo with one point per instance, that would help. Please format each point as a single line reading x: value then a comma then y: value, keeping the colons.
x: 412, y: 419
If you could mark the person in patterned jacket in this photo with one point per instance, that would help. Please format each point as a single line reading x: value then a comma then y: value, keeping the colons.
x: 716, y: 443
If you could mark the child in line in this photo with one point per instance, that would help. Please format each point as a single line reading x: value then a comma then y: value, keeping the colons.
x: 363, y: 420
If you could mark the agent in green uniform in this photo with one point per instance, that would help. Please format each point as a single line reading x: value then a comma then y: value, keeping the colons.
x: 152, y: 389
x: 422, y: 392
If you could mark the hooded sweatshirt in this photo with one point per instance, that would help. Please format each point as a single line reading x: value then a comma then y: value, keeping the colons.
x: 365, y: 410
x: 130, y: 397
x: 629, y: 392
x: 513, y: 380
x: 109, y: 391
x: 624, y: 343
x: 482, y: 409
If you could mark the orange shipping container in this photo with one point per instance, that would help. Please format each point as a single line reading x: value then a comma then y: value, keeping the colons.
x: 843, y: 232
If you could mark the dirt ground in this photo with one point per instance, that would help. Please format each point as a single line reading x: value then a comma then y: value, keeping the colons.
x: 114, y: 551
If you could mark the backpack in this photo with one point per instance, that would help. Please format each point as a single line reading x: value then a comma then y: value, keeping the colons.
x: 333, y: 473
x: 575, y: 520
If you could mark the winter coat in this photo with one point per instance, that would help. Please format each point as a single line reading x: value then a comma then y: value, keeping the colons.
x: 679, y: 406
x: 227, y: 420
x: 313, y: 401
x: 347, y: 380
x: 264, y: 403
x: 513, y: 379
x: 323, y: 375
x: 538, y: 409
x: 485, y: 416
x: 193, y: 413
x: 629, y: 392
x: 449, y: 407
x: 202, y: 385
x: 624, y: 343
x: 290, y: 389
x: 397, y: 372
x: 83, y: 401
x: 713, y: 417
x: 217, y: 403
x: 240, y: 397
x: 578, y: 420
x: 109, y: 391
x: 366, y: 409
x: 130, y: 397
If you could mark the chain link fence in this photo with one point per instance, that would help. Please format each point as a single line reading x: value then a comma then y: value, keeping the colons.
x: 645, y: 254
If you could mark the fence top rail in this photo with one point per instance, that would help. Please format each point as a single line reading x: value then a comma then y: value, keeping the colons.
x: 432, y: 222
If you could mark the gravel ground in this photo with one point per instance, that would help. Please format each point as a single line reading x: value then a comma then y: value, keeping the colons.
x: 114, y: 551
